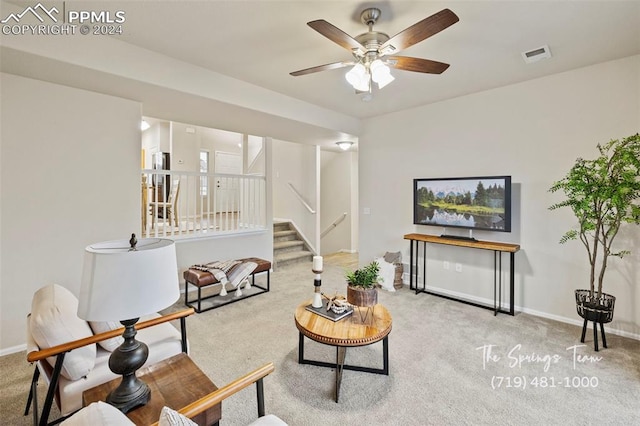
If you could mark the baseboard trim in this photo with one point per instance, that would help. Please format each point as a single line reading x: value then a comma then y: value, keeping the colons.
x: 573, y: 321
x: 13, y: 349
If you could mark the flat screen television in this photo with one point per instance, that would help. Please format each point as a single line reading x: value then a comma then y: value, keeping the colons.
x: 482, y: 203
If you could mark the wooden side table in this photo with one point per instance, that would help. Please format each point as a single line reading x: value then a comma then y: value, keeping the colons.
x: 348, y: 332
x: 174, y: 382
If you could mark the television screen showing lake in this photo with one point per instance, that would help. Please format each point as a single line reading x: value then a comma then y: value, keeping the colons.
x: 434, y: 216
x: 474, y: 203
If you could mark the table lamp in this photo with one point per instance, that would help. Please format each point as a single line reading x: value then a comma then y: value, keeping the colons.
x: 122, y: 281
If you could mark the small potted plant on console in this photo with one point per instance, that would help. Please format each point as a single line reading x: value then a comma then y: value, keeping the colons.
x: 603, y: 194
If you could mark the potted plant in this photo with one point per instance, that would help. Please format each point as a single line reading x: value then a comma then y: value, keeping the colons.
x: 361, y: 285
x: 603, y: 194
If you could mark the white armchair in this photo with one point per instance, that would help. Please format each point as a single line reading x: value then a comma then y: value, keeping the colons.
x: 72, y: 354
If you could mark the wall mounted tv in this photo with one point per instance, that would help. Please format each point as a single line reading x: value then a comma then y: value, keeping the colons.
x: 482, y: 203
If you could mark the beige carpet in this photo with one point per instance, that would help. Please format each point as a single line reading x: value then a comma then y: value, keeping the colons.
x: 438, y: 375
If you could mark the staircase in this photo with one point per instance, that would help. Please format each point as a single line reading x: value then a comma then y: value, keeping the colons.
x: 288, y: 247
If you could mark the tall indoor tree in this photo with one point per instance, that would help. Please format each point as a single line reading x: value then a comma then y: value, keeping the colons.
x: 603, y: 194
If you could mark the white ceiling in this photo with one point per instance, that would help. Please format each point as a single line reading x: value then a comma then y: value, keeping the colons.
x: 261, y: 42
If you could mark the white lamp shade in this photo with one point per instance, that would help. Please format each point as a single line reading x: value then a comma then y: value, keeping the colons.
x: 380, y: 73
x: 384, y: 80
x: 358, y: 77
x: 120, y: 284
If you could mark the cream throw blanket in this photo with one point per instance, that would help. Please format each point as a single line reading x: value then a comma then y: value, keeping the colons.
x: 234, y: 272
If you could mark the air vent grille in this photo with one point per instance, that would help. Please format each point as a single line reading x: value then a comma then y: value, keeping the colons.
x: 537, y: 54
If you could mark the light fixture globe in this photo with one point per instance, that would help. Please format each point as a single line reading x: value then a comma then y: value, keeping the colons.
x: 380, y: 73
x: 358, y: 77
x: 344, y: 145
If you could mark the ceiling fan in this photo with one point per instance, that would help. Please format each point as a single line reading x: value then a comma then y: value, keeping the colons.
x: 374, y: 51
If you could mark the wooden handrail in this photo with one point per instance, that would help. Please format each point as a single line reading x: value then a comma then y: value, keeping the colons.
x: 66, y: 347
x: 224, y: 392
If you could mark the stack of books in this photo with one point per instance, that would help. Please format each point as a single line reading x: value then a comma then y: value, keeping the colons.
x: 329, y: 314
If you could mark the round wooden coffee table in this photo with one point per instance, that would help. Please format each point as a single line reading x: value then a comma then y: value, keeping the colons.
x: 351, y: 331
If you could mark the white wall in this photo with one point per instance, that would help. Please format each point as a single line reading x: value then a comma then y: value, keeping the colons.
x: 69, y: 158
x: 254, y: 155
x: 533, y: 131
x: 296, y: 163
x: 155, y: 139
x: 336, y: 194
x: 70, y: 176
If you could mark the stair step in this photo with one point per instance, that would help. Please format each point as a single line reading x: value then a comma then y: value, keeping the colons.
x: 291, y: 257
x: 281, y: 226
x: 284, y: 235
x: 288, y: 248
x: 283, y: 246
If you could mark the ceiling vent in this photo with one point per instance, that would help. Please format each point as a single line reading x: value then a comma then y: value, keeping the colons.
x: 536, y: 54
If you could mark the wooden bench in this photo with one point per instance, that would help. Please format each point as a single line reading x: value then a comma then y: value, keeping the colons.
x: 202, y: 279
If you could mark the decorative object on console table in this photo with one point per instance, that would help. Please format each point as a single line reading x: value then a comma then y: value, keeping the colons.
x: 603, y: 194
x: 122, y: 281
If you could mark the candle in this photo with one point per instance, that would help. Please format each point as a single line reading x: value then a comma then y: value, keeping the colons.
x: 317, y: 263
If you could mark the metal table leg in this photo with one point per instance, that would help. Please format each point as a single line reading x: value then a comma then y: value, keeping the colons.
x: 341, y: 353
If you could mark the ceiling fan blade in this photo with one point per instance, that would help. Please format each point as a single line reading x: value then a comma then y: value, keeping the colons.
x: 419, y: 31
x: 407, y: 63
x: 336, y: 35
x: 325, y: 67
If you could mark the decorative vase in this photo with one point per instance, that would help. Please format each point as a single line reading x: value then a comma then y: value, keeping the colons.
x: 593, y: 308
x: 362, y: 297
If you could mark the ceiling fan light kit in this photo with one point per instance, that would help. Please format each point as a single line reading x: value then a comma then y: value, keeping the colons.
x: 370, y: 49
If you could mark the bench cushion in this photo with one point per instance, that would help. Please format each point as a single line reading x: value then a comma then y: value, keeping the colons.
x: 204, y: 278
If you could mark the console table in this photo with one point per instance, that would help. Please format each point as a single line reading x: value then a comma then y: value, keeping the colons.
x: 497, y: 248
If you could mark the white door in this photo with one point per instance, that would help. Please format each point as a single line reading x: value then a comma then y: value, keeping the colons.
x: 227, y: 192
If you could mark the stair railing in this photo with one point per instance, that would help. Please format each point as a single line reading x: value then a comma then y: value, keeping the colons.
x: 206, y: 204
x: 334, y: 224
x: 299, y: 197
